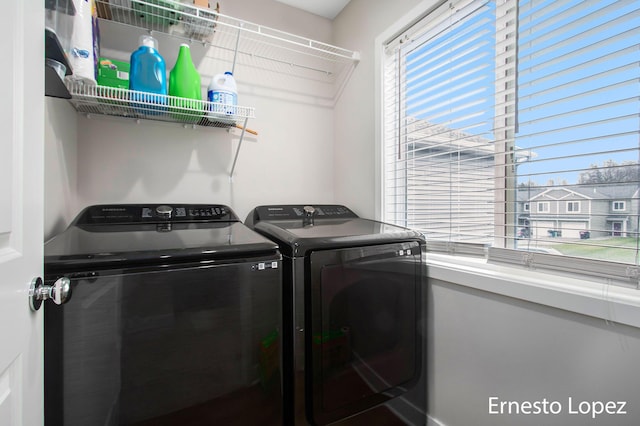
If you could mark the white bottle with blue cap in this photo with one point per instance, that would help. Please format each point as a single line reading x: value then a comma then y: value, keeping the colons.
x: 223, y: 93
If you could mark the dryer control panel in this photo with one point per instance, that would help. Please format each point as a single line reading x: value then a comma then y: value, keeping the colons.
x: 299, y: 211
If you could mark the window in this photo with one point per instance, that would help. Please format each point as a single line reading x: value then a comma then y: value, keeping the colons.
x: 490, y: 105
x: 573, y: 206
x: 618, y: 206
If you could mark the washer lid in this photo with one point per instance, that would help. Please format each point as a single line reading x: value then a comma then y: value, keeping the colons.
x: 132, y: 240
x: 296, y: 238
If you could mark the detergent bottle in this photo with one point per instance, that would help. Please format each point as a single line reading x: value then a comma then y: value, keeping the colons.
x: 223, y: 93
x: 148, y: 73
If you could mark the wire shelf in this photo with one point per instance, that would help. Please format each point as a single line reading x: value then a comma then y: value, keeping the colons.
x: 235, y: 40
x: 92, y: 99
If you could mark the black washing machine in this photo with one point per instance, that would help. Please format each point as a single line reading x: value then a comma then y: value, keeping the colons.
x: 353, y: 309
x: 174, y: 319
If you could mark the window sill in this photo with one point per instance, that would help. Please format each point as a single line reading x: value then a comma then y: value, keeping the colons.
x: 585, y: 295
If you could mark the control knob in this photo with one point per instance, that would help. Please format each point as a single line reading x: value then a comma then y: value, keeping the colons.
x: 164, y: 212
x: 309, y: 213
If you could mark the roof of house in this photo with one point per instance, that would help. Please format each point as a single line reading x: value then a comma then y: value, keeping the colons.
x: 597, y: 192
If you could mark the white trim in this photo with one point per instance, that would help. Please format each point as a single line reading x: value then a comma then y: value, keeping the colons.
x: 572, y: 203
x: 378, y: 175
x: 591, y: 296
x: 613, y: 204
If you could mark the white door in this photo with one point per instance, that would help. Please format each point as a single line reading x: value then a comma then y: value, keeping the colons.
x: 21, y: 209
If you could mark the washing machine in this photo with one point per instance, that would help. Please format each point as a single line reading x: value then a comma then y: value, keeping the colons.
x: 168, y: 315
x: 353, y: 300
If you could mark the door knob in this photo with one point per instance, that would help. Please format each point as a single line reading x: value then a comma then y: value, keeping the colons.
x: 59, y: 292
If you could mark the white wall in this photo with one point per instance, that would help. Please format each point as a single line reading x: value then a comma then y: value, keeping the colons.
x: 484, y: 345
x: 121, y: 161
x: 60, y: 165
x: 279, y: 16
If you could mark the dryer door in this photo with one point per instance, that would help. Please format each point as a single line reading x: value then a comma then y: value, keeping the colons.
x: 364, y: 313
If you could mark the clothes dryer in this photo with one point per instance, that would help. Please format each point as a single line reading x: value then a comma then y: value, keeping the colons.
x: 353, y: 308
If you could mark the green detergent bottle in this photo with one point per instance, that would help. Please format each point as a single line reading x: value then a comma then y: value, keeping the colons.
x: 184, y: 83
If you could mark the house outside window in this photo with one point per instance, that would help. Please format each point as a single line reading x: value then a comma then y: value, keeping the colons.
x: 573, y: 206
x: 544, y: 207
x: 618, y: 206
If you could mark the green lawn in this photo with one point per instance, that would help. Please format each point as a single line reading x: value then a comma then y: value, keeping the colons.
x: 616, y: 249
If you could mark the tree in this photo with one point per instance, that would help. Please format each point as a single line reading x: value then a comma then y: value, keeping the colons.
x: 528, y: 184
x: 611, y: 172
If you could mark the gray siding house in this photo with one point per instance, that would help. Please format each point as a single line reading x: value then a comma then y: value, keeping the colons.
x: 569, y: 211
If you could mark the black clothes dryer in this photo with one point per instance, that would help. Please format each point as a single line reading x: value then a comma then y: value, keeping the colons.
x: 353, y: 309
x: 174, y: 319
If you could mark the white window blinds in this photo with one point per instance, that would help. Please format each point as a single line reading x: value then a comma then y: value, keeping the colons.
x: 439, y: 142
x: 515, y: 125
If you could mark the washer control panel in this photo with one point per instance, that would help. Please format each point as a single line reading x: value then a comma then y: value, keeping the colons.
x: 291, y: 211
x: 150, y: 213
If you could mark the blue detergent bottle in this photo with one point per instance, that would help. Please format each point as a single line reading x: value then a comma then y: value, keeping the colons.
x: 148, y: 73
